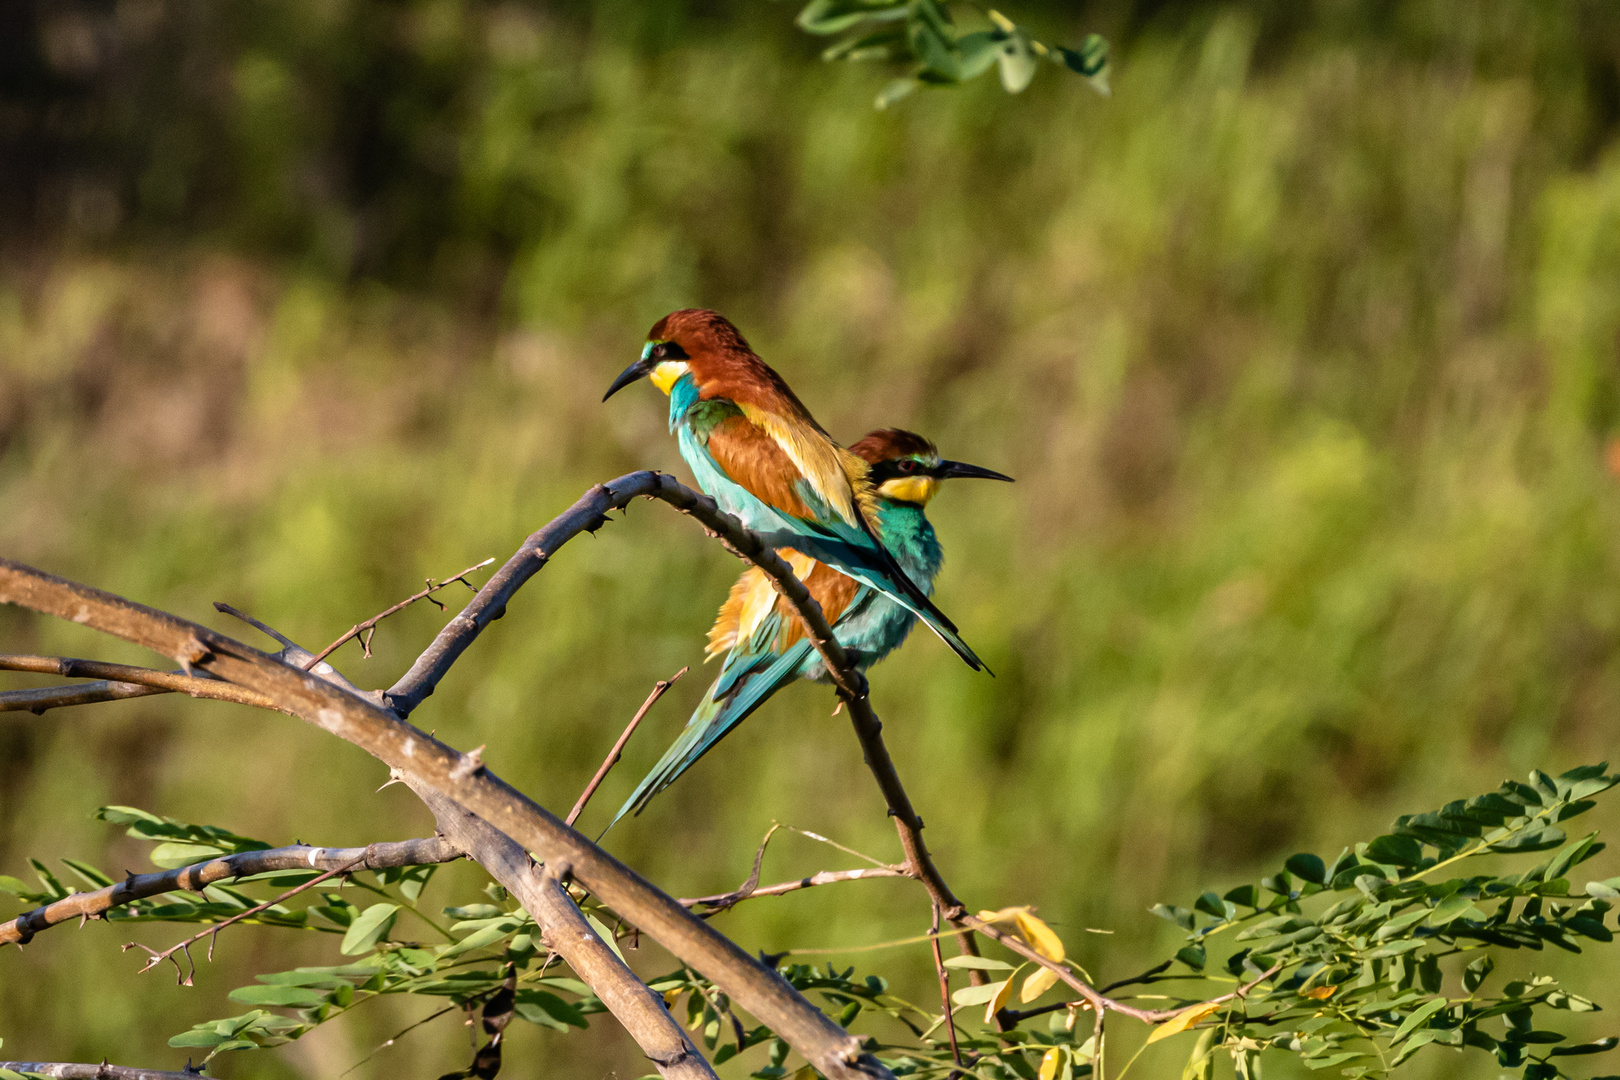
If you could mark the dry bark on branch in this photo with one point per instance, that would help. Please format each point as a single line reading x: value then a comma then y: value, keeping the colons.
x: 464, y: 778
x: 66, y: 1070
x: 117, y: 681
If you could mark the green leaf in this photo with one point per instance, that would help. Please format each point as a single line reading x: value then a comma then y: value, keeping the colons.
x: 19, y: 889
x: 198, y: 1036
x: 895, y: 91
x: 300, y: 997
x: 171, y: 856
x: 1597, y: 1047
x: 836, y: 16
x: 547, y: 1010
x: 1572, y: 856
x: 978, y: 963
x: 977, y: 995
x: 1474, y: 974
x: 1395, y: 850
x: 1452, y: 908
x: 368, y: 928
x: 1017, y: 62
x: 93, y: 877
x: 1420, y: 1016
x: 1533, y: 840
x: 977, y: 52
x: 1178, y: 915
x: 474, y: 911
x: 1414, y: 1044
x: 606, y: 935
x: 1307, y: 867
x: 485, y: 936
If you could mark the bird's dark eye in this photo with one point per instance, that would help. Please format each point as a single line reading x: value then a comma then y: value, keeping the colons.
x: 659, y: 351
x: 908, y: 466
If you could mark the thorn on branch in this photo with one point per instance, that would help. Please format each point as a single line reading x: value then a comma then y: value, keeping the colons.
x: 470, y: 764
x: 192, y: 652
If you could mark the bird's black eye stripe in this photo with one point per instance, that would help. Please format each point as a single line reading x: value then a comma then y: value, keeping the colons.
x: 668, y: 350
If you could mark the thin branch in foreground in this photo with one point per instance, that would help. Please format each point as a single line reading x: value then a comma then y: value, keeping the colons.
x: 197, y: 876
x: 394, y: 1038
x: 113, y: 676
x: 944, y: 986
x: 66, y: 1070
x: 212, y: 933
x: 365, y: 630
x: 612, y: 758
x: 722, y: 901
x: 640, y: 1011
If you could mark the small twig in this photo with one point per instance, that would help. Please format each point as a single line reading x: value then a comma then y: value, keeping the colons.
x: 825, y: 877
x: 114, y: 674
x: 156, y: 958
x: 398, y: 1035
x: 366, y: 628
x: 944, y: 988
x: 612, y: 758
x: 268, y: 631
x: 746, y: 889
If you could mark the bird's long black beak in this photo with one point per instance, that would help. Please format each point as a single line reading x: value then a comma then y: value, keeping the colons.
x: 638, y: 370
x: 950, y: 469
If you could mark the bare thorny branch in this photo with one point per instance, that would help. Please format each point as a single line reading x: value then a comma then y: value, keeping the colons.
x: 338, y: 707
x: 364, y: 630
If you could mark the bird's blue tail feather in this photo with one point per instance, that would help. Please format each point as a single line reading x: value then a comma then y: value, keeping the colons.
x: 742, y: 686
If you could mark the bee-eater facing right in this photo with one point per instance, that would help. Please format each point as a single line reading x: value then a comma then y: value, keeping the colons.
x: 760, y: 633
x: 755, y: 448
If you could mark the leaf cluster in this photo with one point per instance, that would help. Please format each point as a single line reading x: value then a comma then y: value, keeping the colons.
x: 1355, y: 964
x: 1374, y: 956
x: 924, y: 36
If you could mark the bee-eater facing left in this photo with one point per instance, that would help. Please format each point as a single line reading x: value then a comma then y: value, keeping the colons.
x: 760, y: 634
x: 753, y: 446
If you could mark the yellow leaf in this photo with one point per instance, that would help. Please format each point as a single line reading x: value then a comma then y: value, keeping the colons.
x: 1050, y: 1063
x: 999, y: 1002
x: 1183, y: 1020
x: 671, y: 997
x: 1006, y: 914
x: 1039, y: 935
x: 1038, y: 983
x: 1320, y: 993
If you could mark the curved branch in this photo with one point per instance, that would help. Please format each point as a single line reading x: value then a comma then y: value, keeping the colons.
x: 834, y: 1052
x: 66, y: 1070
x: 119, y: 680
x: 588, y: 515
x: 197, y: 876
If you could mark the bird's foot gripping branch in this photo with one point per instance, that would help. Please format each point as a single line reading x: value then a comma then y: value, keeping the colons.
x: 1355, y: 964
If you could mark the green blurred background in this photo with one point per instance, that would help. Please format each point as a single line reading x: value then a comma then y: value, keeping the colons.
x: 1303, y: 348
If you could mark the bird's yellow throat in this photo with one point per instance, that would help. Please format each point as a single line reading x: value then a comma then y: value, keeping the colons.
x: 911, y: 489
x: 666, y: 374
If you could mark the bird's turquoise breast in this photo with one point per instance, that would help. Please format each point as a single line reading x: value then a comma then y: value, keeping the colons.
x: 874, y: 625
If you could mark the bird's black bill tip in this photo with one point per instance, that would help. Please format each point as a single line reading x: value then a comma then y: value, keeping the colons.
x: 962, y: 470
x: 638, y: 370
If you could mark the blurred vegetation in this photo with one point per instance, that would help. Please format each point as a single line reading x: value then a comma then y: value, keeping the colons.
x: 1303, y: 348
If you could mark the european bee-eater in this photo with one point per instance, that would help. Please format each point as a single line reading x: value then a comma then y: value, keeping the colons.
x: 754, y: 447
x: 760, y: 634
